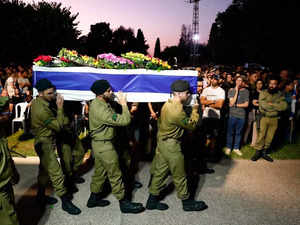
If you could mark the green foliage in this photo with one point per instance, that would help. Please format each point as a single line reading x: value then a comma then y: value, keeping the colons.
x: 29, y: 30
x: 260, y: 31
x: 157, y: 52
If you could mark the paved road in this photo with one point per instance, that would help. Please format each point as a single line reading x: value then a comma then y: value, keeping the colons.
x: 241, y: 192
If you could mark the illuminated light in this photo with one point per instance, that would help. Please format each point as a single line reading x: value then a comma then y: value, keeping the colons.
x: 196, y: 37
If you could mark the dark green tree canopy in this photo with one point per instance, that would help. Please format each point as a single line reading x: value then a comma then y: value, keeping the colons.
x: 28, y: 30
x: 157, y: 52
x: 123, y: 40
x: 260, y: 31
x: 141, y: 45
x: 99, y: 39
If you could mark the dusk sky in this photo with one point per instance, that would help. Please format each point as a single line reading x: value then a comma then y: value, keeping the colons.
x: 156, y: 18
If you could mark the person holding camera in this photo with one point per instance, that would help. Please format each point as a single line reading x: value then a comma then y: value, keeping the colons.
x: 46, y: 123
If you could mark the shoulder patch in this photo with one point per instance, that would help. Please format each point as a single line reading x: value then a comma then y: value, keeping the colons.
x: 46, y: 122
x: 114, y: 116
x: 185, y: 121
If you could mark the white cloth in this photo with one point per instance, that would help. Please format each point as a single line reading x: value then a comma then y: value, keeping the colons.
x: 214, y: 94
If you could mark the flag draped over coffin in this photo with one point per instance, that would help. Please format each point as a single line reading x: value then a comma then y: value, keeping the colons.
x: 140, y: 85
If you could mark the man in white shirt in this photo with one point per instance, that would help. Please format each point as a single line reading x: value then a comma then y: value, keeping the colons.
x: 212, y: 99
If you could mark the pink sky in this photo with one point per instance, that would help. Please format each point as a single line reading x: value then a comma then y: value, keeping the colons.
x: 156, y: 18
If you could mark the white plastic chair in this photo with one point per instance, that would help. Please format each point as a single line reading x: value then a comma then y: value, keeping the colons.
x: 20, y: 109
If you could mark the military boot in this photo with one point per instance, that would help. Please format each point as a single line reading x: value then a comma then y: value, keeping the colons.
x: 68, y: 206
x: 153, y: 203
x: 96, y: 201
x: 257, y: 155
x: 43, y: 199
x: 130, y: 207
x: 265, y: 156
x: 192, y: 205
x: 70, y: 185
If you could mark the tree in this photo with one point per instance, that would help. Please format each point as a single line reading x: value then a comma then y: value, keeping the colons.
x: 28, y: 30
x: 256, y: 31
x: 157, y: 52
x: 184, y: 45
x: 141, y: 47
x: 123, y: 40
x: 99, y: 39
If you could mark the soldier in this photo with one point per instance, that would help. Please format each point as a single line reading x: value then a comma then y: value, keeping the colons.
x: 71, y: 152
x: 45, y: 125
x: 168, y: 155
x: 271, y: 103
x: 102, y: 122
x: 8, y: 177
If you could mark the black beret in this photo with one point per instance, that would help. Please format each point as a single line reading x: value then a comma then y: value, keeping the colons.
x: 43, y: 84
x: 180, y: 86
x: 100, y: 86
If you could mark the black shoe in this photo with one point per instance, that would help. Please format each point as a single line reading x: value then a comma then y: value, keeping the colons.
x: 257, y: 155
x: 68, y: 206
x: 137, y: 184
x: 96, y: 201
x: 206, y: 170
x: 265, y: 156
x: 153, y: 203
x: 130, y: 207
x: 192, y: 205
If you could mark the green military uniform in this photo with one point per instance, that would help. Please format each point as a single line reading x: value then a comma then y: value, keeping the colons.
x: 8, y: 214
x: 71, y: 149
x: 102, y: 120
x: 168, y: 156
x: 269, y: 120
x: 44, y: 126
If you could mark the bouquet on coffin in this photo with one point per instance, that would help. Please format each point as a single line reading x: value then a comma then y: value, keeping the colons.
x: 129, y: 60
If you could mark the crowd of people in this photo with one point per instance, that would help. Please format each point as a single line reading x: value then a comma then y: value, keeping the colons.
x: 231, y: 108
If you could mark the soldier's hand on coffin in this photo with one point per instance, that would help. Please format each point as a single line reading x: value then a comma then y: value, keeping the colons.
x: 59, y: 101
x: 122, y: 98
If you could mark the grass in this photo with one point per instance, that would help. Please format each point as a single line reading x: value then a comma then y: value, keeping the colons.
x: 22, y: 147
x: 289, y: 151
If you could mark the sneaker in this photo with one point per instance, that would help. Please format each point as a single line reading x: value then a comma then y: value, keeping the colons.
x: 238, y: 152
x: 227, y: 151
